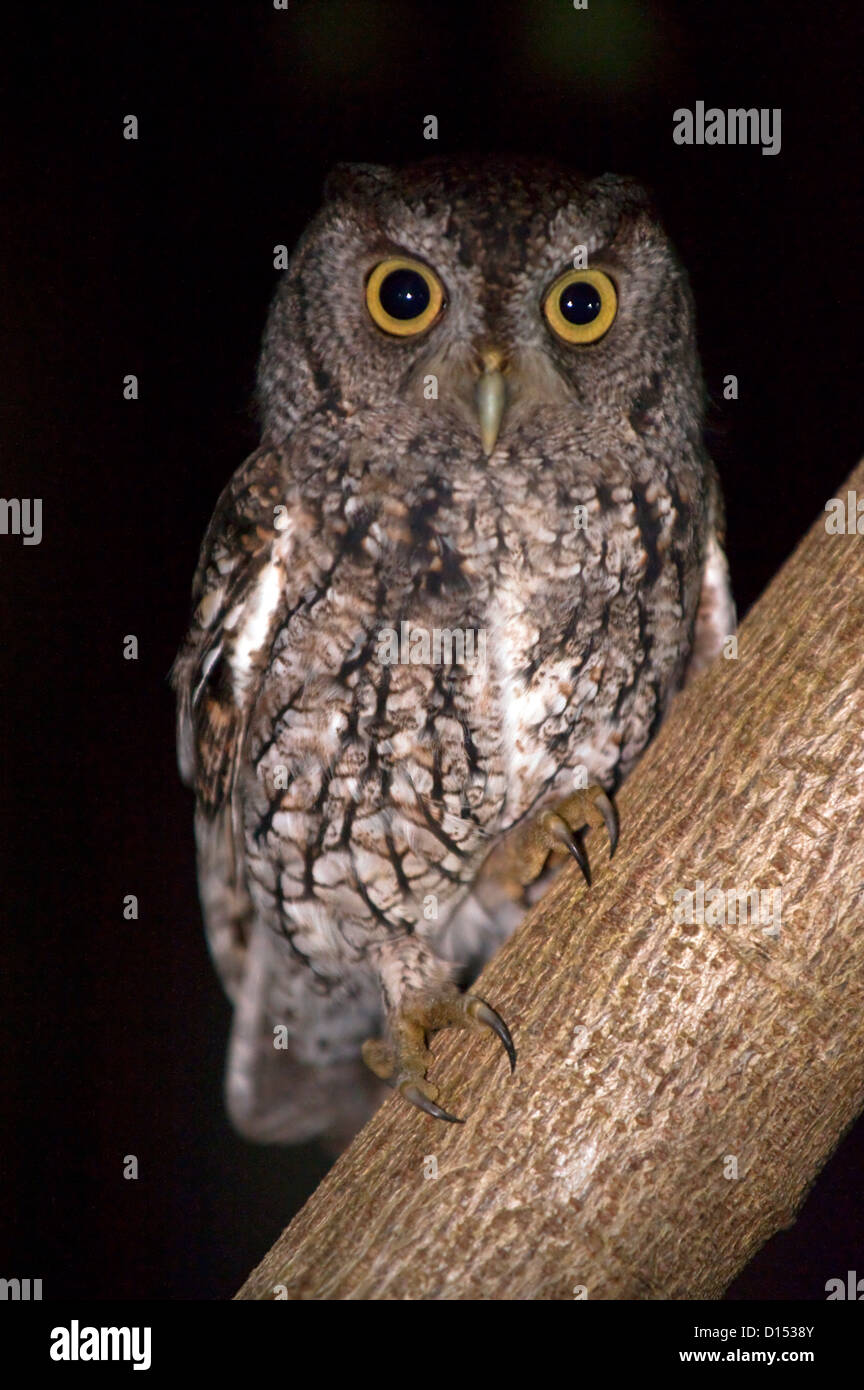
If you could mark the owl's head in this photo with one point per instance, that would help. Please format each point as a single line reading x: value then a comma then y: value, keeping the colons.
x: 493, y: 292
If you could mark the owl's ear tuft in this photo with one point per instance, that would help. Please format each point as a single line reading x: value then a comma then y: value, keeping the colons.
x: 626, y: 193
x: 622, y: 186
x: 349, y: 182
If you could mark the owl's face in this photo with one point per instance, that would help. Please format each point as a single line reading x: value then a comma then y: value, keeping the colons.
x: 495, y: 292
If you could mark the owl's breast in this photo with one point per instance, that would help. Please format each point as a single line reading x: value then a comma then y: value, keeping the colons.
x: 590, y: 626
x: 466, y: 648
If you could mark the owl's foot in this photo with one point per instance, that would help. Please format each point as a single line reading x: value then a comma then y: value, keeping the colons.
x: 563, y: 826
x: 405, y: 1060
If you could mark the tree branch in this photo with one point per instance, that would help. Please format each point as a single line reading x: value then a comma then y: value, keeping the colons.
x: 656, y: 1057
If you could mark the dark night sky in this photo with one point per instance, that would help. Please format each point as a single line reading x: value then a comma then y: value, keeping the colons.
x: 155, y: 257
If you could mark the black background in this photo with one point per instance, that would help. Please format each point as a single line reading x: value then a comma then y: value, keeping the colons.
x: 155, y: 257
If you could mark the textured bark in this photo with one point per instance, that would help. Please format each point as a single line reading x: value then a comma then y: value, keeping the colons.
x: 650, y: 1051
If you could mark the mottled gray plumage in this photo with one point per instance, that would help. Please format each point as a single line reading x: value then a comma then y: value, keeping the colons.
x: 345, y: 806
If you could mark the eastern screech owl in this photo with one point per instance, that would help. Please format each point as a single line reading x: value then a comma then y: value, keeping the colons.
x: 477, y: 552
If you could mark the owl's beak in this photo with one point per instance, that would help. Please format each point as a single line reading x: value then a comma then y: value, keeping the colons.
x: 490, y: 396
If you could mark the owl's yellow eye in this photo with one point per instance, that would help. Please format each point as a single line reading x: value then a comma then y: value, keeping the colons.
x: 404, y: 297
x: 581, y: 306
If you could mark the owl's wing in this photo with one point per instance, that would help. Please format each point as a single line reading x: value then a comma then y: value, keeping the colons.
x: 715, y: 617
x: 246, y: 578
x: 252, y: 575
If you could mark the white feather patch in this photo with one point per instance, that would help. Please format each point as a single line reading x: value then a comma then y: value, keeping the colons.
x: 254, y: 624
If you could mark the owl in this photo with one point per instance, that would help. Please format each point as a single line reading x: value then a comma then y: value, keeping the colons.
x: 439, y: 613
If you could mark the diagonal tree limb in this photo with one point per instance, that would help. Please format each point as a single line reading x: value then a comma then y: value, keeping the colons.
x: 657, y: 1058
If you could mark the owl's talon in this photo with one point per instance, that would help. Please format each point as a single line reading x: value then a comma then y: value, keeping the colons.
x: 405, y: 1058
x: 519, y: 860
x: 610, y: 818
x: 484, y: 1013
x: 559, y: 831
x: 413, y: 1094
